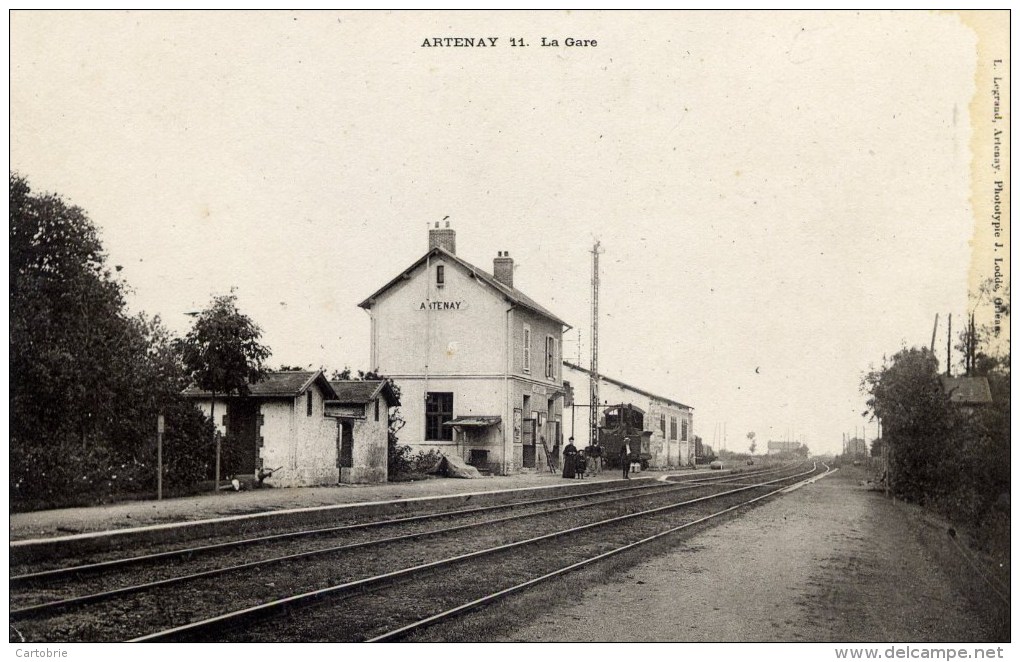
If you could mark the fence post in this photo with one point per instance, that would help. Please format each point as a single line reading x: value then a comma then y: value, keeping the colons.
x: 160, y: 425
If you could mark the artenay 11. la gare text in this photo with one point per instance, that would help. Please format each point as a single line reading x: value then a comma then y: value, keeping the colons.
x: 493, y: 42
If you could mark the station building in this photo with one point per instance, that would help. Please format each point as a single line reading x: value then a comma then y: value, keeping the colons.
x: 477, y: 361
x: 668, y: 423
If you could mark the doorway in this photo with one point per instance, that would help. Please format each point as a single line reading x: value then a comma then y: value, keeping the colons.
x: 528, y: 439
x: 344, y: 446
x: 241, y: 446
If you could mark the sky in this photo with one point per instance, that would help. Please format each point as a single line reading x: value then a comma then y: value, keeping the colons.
x: 782, y: 198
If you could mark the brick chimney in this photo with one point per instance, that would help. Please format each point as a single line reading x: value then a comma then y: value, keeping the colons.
x: 445, y: 238
x: 503, y: 268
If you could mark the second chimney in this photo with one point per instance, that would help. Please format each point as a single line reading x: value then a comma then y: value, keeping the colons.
x: 503, y: 268
x: 445, y: 238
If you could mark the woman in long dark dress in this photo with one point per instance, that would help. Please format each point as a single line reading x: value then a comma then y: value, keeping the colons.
x: 569, y: 459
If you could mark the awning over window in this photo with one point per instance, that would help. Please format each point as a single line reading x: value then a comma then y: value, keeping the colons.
x: 474, y: 421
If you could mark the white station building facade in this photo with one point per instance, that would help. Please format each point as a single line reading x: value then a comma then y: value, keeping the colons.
x: 477, y: 361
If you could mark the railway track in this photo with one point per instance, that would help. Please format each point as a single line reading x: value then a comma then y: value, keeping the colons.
x: 26, y: 576
x: 307, y: 576
x: 53, y: 590
x: 50, y: 570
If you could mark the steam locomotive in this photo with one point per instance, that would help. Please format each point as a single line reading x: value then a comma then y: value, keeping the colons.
x: 620, y: 422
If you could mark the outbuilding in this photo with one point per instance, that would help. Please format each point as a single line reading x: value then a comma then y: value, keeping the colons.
x: 289, y: 430
x: 361, y: 410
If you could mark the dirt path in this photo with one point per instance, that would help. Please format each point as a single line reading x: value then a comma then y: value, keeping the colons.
x: 829, y: 562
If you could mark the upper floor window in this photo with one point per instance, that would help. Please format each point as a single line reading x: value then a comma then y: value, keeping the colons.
x: 684, y: 430
x: 377, y: 409
x: 440, y: 275
x: 527, y: 348
x: 672, y: 427
x: 662, y: 424
x: 308, y: 402
x: 438, y: 410
x: 550, y: 357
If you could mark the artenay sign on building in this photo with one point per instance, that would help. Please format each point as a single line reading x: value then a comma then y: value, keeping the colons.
x: 443, y: 305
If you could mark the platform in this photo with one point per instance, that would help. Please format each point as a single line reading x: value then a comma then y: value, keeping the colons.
x: 229, y: 506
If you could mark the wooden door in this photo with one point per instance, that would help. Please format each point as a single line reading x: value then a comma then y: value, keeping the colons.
x: 346, y: 445
x: 241, y: 445
x: 528, y: 438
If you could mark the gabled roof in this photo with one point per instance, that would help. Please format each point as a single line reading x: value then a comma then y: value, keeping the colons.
x: 360, y: 392
x: 967, y: 390
x: 278, y: 384
x: 513, y: 295
x: 629, y: 387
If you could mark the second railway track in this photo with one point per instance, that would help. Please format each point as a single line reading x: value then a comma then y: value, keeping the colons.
x: 250, y: 590
x: 49, y: 591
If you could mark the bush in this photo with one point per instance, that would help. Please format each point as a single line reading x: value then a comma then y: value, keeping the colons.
x: 398, y: 458
x: 425, y: 461
x: 189, y: 455
x: 64, y: 472
x: 404, y: 464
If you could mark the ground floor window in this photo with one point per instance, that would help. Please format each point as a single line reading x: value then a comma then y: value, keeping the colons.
x: 438, y: 410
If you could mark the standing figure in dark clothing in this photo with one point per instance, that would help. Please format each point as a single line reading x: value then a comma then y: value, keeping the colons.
x: 581, y: 465
x: 625, y: 457
x: 569, y: 459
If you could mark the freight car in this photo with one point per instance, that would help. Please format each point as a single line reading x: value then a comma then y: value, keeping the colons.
x: 622, y: 421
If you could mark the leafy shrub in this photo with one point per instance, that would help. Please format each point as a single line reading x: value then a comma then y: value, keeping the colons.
x: 398, y: 458
x: 425, y: 461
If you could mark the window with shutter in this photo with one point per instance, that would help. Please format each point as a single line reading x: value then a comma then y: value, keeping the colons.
x: 527, y: 348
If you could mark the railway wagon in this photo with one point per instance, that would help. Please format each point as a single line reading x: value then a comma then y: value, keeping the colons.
x: 621, y: 421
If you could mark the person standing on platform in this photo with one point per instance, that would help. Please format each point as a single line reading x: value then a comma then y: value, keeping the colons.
x: 569, y: 459
x: 625, y: 457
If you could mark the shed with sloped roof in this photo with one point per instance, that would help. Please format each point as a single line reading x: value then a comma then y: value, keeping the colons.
x: 282, y: 432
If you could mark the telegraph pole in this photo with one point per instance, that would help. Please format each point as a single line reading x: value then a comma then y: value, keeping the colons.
x: 593, y: 377
x: 949, y: 347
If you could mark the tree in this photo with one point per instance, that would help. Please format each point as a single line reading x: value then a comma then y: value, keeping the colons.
x: 87, y: 379
x: 222, y: 354
x: 68, y: 332
x: 984, y: 347
x: 751, y: 437
x: 919, y: 424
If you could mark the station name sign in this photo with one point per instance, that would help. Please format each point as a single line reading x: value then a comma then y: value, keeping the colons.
x: 442, y: 305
